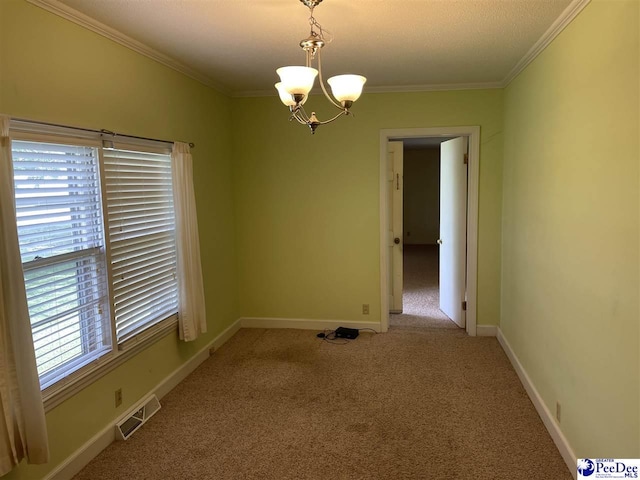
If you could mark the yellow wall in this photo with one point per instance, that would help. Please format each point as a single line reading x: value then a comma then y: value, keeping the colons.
x: 307, y: 207
x: 570, y: 227
x: 54, y: 70
x: 301, y: 211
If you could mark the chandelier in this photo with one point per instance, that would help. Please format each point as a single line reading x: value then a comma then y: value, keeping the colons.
x: 296, y: 82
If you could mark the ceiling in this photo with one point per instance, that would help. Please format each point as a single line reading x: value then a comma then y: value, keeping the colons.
x: 236, y: 45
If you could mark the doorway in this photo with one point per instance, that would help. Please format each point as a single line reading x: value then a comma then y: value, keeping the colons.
x: 389, y: 248
x: 421, y: 234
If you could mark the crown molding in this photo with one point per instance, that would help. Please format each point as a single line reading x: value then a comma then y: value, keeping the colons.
x: 565, y: 18
x: 68, y: 13
x: 435, y: 87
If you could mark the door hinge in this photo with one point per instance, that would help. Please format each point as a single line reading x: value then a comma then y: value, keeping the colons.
x: 464, y: 305
x: 397, y: 181
x: 466, y: 158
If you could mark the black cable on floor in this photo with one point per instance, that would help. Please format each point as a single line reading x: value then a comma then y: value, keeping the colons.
x: 329, y: 336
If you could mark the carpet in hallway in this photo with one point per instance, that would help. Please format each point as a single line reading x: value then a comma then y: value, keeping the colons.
x: 420, y: 296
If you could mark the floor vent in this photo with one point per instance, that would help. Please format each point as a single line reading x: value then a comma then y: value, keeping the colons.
x: 137, y: 417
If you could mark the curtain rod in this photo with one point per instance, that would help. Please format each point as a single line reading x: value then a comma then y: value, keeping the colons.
x: 104, y: 131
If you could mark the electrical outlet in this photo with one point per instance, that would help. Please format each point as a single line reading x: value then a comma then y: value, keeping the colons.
x: 118, y: 397
x: 365, y: 309
x: 558, y: 412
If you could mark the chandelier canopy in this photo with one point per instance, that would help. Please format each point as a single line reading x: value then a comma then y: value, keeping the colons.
x: 296, y: 81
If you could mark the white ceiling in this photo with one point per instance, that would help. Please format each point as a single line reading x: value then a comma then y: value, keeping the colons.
x: 398, y: 45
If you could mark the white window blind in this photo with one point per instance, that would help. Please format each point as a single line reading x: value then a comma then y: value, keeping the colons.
x: 60, y: 233
x: 141, y: 229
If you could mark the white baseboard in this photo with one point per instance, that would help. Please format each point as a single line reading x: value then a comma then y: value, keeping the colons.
x: 74, y: 463
x: 180, y: 373
x: 549, y: 421
x: 305, y: 324
x: 486, y: 330
x: 185, y: 369
x: 87, y: 452
x: 226, y: 335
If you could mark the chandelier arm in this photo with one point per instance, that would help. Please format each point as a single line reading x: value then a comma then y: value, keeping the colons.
x: 343, y: 112
x: 321, y: 81
x: 295, y: 117
x: 301, y: 115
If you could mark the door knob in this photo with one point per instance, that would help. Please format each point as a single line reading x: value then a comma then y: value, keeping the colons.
x: 396, y: 240
x: 439, y: 241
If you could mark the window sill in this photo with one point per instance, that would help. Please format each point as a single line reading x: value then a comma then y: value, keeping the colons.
x: 70, y: 386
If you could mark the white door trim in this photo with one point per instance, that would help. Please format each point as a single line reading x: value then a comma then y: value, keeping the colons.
x: 473, y: 133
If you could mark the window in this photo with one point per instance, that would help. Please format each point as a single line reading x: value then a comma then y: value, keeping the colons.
x: 142, y: 235
x: 96, y: 230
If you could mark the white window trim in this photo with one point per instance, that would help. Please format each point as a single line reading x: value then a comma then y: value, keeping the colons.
x: 70, y: 385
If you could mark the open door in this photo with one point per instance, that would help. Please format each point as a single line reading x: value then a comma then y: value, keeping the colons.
x: 453, y: 228
x: 394, y: 205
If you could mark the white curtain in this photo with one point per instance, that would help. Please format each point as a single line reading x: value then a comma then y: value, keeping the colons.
x: 192, y: 316
x: 23, y: 431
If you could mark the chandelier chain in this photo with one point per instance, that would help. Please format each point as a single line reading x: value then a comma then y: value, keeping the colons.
x: 321, y: 31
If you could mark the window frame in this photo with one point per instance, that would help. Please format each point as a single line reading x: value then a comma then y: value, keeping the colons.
x: 93, y: 369
x: 54, y: 376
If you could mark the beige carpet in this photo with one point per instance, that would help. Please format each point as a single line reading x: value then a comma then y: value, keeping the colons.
x: 420, y: 296
x: 415, y: 403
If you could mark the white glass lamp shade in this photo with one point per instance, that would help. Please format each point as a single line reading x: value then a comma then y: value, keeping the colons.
x: 297, y: 80
x: 347, y: 87
x: 285, y: 97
